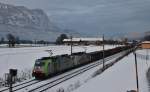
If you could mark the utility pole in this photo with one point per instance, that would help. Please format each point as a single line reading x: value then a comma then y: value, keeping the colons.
x: 12, y: 74
x: 136, y: 68
x: 71, y: 44
x: 103, y: 54
x: 10, y: 83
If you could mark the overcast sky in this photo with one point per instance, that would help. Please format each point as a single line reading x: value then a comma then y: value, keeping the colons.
x: 95, y: 16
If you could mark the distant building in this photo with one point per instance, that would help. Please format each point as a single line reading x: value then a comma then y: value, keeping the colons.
x: 145, y: 45
x: 83, y: 41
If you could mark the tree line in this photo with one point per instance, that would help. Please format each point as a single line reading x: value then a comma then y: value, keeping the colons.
x: 13, y: 40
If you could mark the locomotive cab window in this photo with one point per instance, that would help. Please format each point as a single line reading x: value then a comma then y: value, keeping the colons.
x: 39, y: 63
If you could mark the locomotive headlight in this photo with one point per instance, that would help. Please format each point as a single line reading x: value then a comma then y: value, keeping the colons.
x: 38, y: 67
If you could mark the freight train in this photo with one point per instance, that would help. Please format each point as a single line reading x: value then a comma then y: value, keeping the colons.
x: 49, y: 66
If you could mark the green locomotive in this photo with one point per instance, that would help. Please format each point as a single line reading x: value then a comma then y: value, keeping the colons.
x: 48, y: 66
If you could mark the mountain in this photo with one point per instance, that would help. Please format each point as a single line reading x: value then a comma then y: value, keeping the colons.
x: 29, y: 24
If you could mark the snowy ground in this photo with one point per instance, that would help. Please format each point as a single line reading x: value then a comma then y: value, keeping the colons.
x: 120, y: 77
x: 23, y: 58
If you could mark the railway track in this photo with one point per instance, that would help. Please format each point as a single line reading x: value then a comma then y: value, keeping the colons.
x: 21, y: 85
x: 55, y: 81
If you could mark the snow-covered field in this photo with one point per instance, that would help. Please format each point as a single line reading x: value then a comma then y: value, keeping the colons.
x: 23, y: 58
x: 120, y: 77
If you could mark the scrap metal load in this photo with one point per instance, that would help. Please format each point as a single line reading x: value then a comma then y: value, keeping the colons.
x: 50, y: 66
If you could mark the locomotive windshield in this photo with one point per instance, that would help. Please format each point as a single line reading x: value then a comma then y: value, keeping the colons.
x: 39, y: 63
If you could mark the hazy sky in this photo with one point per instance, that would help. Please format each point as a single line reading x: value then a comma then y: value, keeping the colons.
x: 95, y: 16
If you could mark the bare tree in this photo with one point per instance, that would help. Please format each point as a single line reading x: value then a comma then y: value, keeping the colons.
x: 2, y: 40
x: 60, y: 39
x: 11, y: 40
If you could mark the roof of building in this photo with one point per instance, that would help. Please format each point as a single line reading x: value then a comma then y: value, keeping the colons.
x: 84, y: 39
x: 146, y: 42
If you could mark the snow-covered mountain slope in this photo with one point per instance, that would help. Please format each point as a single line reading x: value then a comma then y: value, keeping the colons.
x: 30, y: 24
